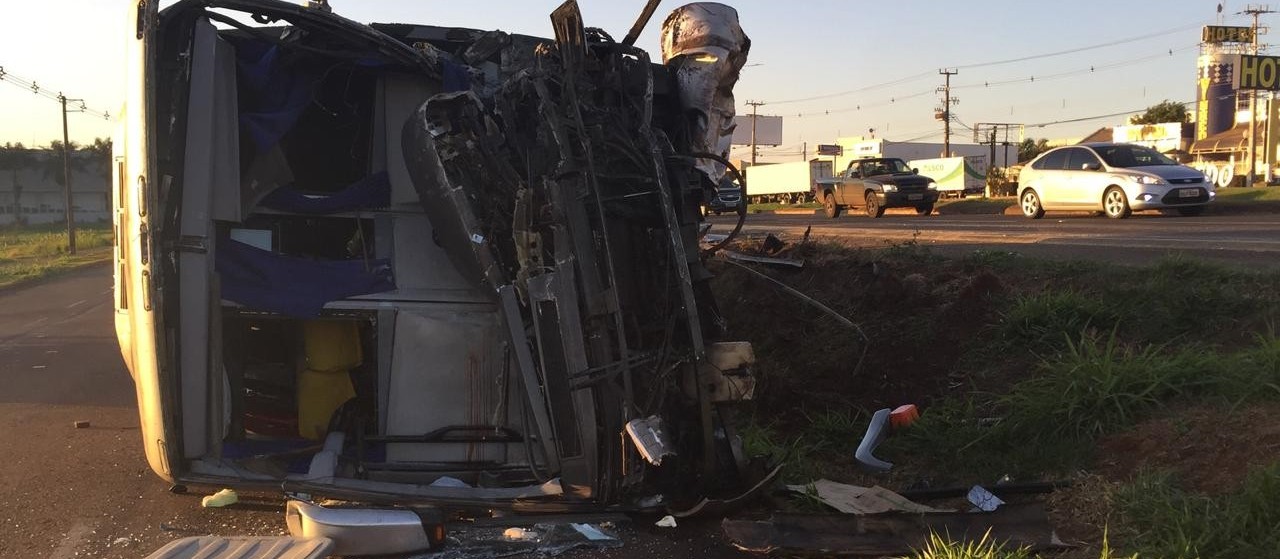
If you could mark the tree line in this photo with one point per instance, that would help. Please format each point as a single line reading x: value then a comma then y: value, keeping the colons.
x: 15, y: 156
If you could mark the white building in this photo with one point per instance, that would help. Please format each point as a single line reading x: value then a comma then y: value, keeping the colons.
x: 30, y: 190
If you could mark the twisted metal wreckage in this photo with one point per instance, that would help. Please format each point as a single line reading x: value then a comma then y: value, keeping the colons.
x: 571, y: 190
x: 576, y: 361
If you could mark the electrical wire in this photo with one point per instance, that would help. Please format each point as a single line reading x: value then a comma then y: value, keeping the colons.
x: 988, y: 84
x: 1096, y: 117
x: 991, y: 63
x: 35, y: 88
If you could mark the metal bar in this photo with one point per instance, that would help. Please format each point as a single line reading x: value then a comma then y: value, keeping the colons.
x: 645, y: 15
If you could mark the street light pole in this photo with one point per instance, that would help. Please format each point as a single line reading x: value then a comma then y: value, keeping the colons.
x: 66, y: 179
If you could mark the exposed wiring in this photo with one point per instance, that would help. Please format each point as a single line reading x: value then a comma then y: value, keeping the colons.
x: 742, y: 208
x: 35, y: 88
x: 866, y: 342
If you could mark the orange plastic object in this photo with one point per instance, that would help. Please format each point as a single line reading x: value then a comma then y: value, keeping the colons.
x: 903, y: 416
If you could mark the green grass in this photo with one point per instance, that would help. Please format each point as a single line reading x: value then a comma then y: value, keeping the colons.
x: 33, y: 252
x: 1166, y: 521
x: 943, y: 547
x: 1247, y: 195
x: 973, y: 206
x: 1061, y: 355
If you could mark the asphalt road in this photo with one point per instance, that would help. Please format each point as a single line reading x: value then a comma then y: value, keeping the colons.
x: 68, y: 492
x: 1251, y: 241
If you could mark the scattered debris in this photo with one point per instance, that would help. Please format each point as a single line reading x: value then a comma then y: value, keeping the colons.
x: 519, y: 534
x: 651, y: 501
x: 772, y: 244
x: 1024, y: 488
x: 81, y: 425
x: 592, y: 533
x: 121, y: 541
x: 667, y: 521
x: 892, y: 533
x: 764, y: 259
x: 983, y: 499
x: 543, y: 540
x: 721, y: 506
x: 220, y: 499
x: 853, y: 499
x: 650, y: 439
x: 876, y: 432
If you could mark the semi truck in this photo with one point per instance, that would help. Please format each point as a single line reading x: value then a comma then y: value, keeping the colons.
x: 785, y: 182
x: 957, y: 176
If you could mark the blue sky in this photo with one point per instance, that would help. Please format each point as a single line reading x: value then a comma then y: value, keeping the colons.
x: 883, y: 56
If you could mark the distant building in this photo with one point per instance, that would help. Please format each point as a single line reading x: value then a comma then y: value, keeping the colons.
x: 30, y: 191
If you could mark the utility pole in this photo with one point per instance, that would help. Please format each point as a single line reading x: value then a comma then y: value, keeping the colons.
x: 754, y: 106
x: 1255, y: 11
x: 947, y: 101
x: 66, y: 175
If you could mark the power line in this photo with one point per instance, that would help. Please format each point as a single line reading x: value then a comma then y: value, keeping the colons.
x: 35, y: 88
x: 1082, y: 49
x: 1093, y: 69
x: 991, y: 63
x: 1096, y: 117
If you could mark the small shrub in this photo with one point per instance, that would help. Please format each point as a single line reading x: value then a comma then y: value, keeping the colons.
x: 943, y: 547
x: 1044, y: 321
x: 1169, y: 522
x: 1099, y: 386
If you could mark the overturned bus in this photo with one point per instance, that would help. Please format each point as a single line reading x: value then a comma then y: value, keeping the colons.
x: 399, y: 263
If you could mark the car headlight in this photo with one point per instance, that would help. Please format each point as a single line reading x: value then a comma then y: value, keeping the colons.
x: 933, y: 185
x: 1148, y: 179
x: 890, y: 188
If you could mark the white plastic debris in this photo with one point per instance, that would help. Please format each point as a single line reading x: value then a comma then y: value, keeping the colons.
x: 220, y: 499
x: 519, y: 534
x: 983, y: 499
x: 667, y: 521
x: 591, y: 532
x: 446, y: 481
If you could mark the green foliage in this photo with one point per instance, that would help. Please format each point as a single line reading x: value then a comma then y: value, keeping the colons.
x: 944, y: 547
x: 1098, y: 386
x: 1171, y: 523
x: 765, y: 440
x: 1042, y: 321
x: 30, y: 253
x: 1164, y: 111
x: 1029, y: 148
x: 1001, y: 181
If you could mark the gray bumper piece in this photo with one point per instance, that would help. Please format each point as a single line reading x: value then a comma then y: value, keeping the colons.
x: 263, y: 547
x: 359, y: 531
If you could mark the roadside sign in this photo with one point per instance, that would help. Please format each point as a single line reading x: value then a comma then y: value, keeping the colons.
x: 830, y: 149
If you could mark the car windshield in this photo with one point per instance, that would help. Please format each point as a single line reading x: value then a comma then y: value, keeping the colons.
x: 884, y: 167
x: 1133, y: 156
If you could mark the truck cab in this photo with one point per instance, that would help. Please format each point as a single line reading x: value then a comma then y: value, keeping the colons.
x: 876, y: 184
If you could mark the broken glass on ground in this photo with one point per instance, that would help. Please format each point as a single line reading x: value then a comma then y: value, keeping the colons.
x: 542, y: 540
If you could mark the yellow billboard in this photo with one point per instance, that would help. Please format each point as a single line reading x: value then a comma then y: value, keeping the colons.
x: 1218, y: 34
x: 1258, y: 72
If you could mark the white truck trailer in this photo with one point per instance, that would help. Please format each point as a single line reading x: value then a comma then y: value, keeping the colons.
x: 785, y: 182
x: 956, y: 176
